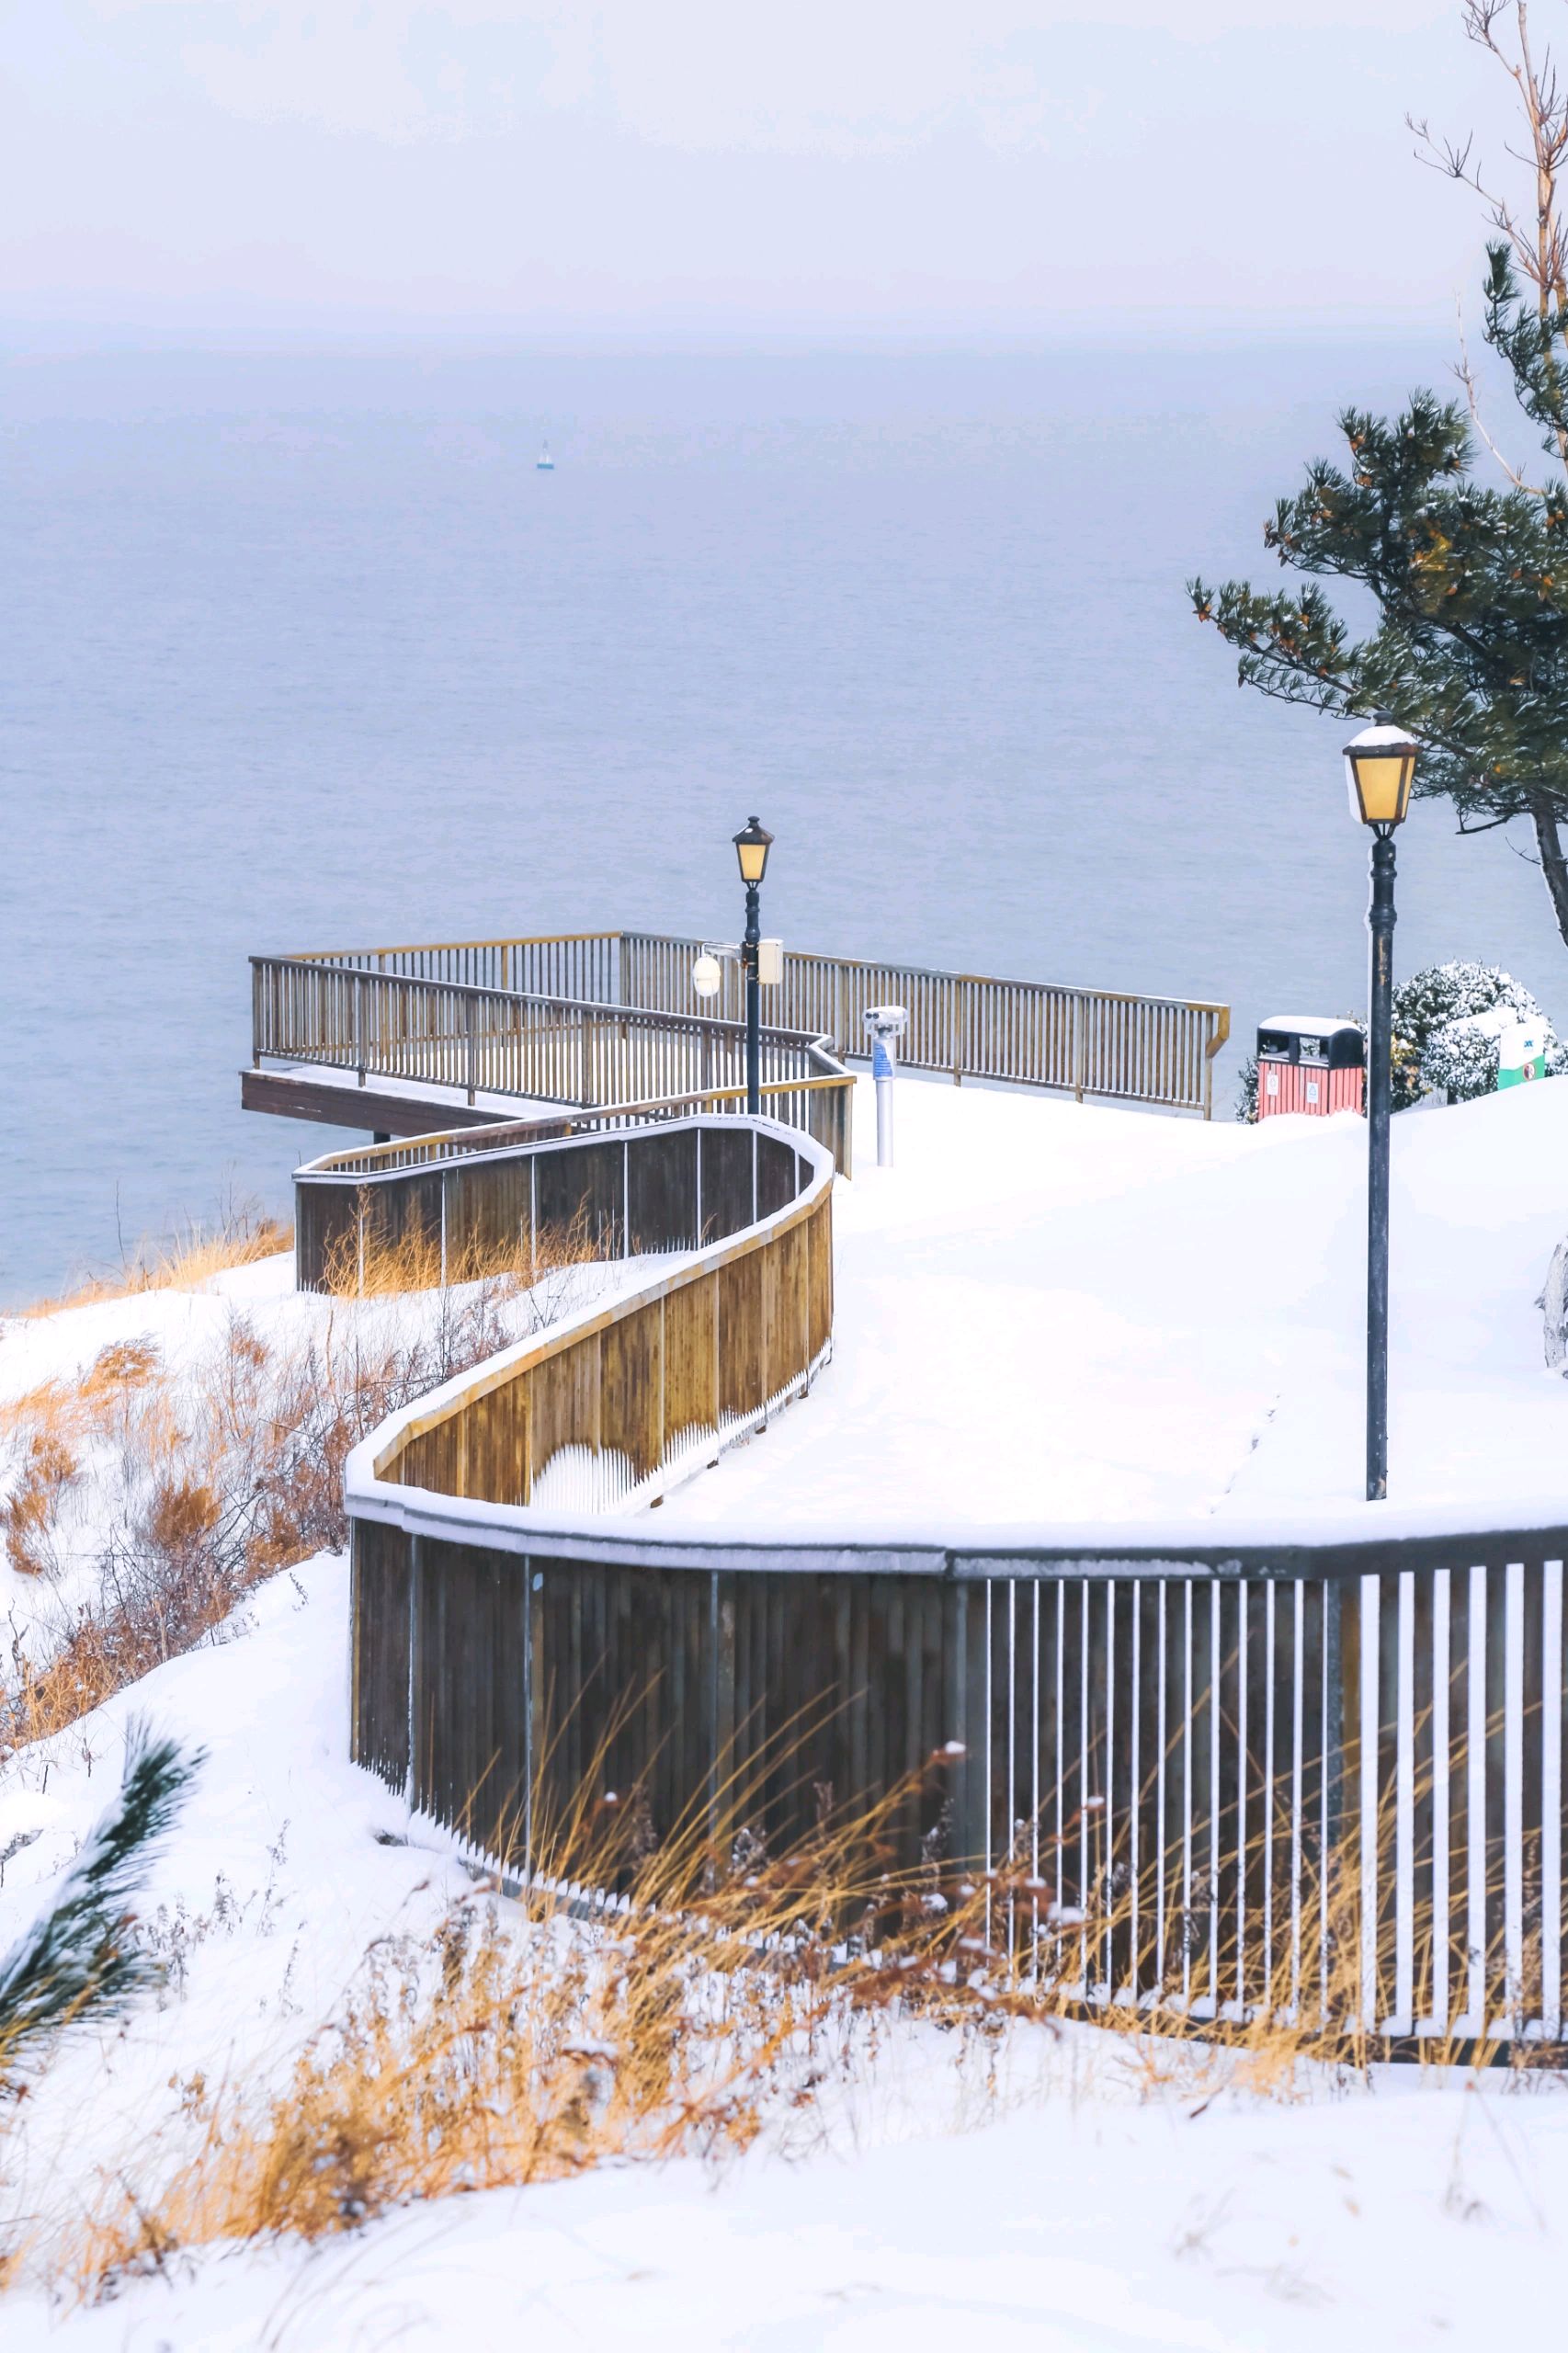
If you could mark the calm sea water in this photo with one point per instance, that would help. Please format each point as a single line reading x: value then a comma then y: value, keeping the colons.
x: 303, y: 651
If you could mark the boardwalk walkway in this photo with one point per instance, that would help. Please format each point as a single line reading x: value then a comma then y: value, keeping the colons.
x: 1048, y: 1314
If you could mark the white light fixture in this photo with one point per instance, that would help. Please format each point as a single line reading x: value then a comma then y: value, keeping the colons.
x: 707, y: 974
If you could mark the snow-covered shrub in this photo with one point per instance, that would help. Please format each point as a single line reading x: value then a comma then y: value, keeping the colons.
x: 1461, y: 1058
x: 1246, y: 1092
x: 1446, y: 1022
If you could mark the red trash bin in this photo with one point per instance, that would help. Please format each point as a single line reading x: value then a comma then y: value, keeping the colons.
x: 1305, y: 1064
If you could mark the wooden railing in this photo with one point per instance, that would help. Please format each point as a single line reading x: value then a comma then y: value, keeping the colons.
x: 1324, y: 1776
x: 1086, y: 1042
x: 579, y: 964
x: 488, y: 1040
x: 618, y: 1184
x: 821, y: 1106
x: 611, y: 1405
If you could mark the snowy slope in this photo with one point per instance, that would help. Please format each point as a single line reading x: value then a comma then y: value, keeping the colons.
x: 1104, y: 2199
x: 1093, y: 2206
x: 1050, y: 1313
x: 1046, y: 1309
x: 188, y: 1335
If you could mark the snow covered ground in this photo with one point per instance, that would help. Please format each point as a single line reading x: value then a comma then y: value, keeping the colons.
x: 1044, y: 1311
x: 1105, y: 2199
x: 1050, y: 1313
x: 186, y: 1339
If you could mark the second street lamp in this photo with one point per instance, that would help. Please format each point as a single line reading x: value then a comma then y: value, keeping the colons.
x: 751, y: 845
x: 1379, y: 768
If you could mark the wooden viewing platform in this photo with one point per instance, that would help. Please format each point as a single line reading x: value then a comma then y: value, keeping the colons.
x: 401, y: 1039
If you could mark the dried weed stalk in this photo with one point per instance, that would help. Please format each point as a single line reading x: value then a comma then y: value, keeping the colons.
x: 367, y: 1260
x: 717, y: 1993
x: 203, y: 1486
x: 522, y: 2043
x: 182, y: 1262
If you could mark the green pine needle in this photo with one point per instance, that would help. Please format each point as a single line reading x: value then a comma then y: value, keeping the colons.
x: 81, y: 1958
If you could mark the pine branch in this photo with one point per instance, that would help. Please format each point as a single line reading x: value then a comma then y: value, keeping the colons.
x: 81, y: 1960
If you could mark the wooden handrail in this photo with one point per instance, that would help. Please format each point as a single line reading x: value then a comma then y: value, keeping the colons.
x: 343, y: 955
x: 618, y: 1060
x: 1114, y: 1044
x: 341, y: 958
x: 721, y: 1371
x: 515, y: 1364
x: 647, y: 1016
x: 1199, y: 1756
x: 1214, y: 1774
x: 371, y: 1163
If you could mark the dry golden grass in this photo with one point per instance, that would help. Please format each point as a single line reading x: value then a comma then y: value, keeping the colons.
x: 716, y: 1995
x: 212, y: 1481
x: 519, y: 2044
x: 70, y: 1411
x: 184, y: 1263
x: 366, y: 1261
x: 198, y: 1500
x: 29, y: 1514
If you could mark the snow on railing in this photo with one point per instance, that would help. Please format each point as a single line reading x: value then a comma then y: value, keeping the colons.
x: 1321, y: 1776
x: 628, y: 1397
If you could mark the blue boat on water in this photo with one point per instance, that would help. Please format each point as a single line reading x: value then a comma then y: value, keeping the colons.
x: 544, y: 464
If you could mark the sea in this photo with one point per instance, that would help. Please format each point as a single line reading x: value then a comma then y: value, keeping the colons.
x: 301, y: 650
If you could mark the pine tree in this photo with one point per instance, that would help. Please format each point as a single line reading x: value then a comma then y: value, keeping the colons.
x: 81, y: 1960
x: 1470, y: 583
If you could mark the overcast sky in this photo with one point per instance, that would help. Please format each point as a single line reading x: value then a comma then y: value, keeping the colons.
x: 884, y: 165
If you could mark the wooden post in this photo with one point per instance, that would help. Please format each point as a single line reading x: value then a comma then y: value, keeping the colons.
x: 1341, y: 1861
x: 417, y: 1696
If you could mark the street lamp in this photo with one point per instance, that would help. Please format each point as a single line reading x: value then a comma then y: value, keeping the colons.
x: 751, y: 845
x: 1379, y: 768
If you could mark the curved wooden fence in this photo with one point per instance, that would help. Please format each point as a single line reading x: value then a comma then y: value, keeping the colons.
x: 1321, y: 1769
x: 1327, y: 1775
x: 608, y: 1406
x: 468, y: 1216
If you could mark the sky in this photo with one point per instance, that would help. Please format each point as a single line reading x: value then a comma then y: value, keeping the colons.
x: 947, y: 167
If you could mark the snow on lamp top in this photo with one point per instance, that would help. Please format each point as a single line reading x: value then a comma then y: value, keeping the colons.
x: 1379, y: 768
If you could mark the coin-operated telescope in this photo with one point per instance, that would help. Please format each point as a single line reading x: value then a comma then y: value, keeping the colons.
x: 885, y: 1025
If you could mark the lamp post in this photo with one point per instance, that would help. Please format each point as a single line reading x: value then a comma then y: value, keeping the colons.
x: 1380, y: 767
x: 751, y: 845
